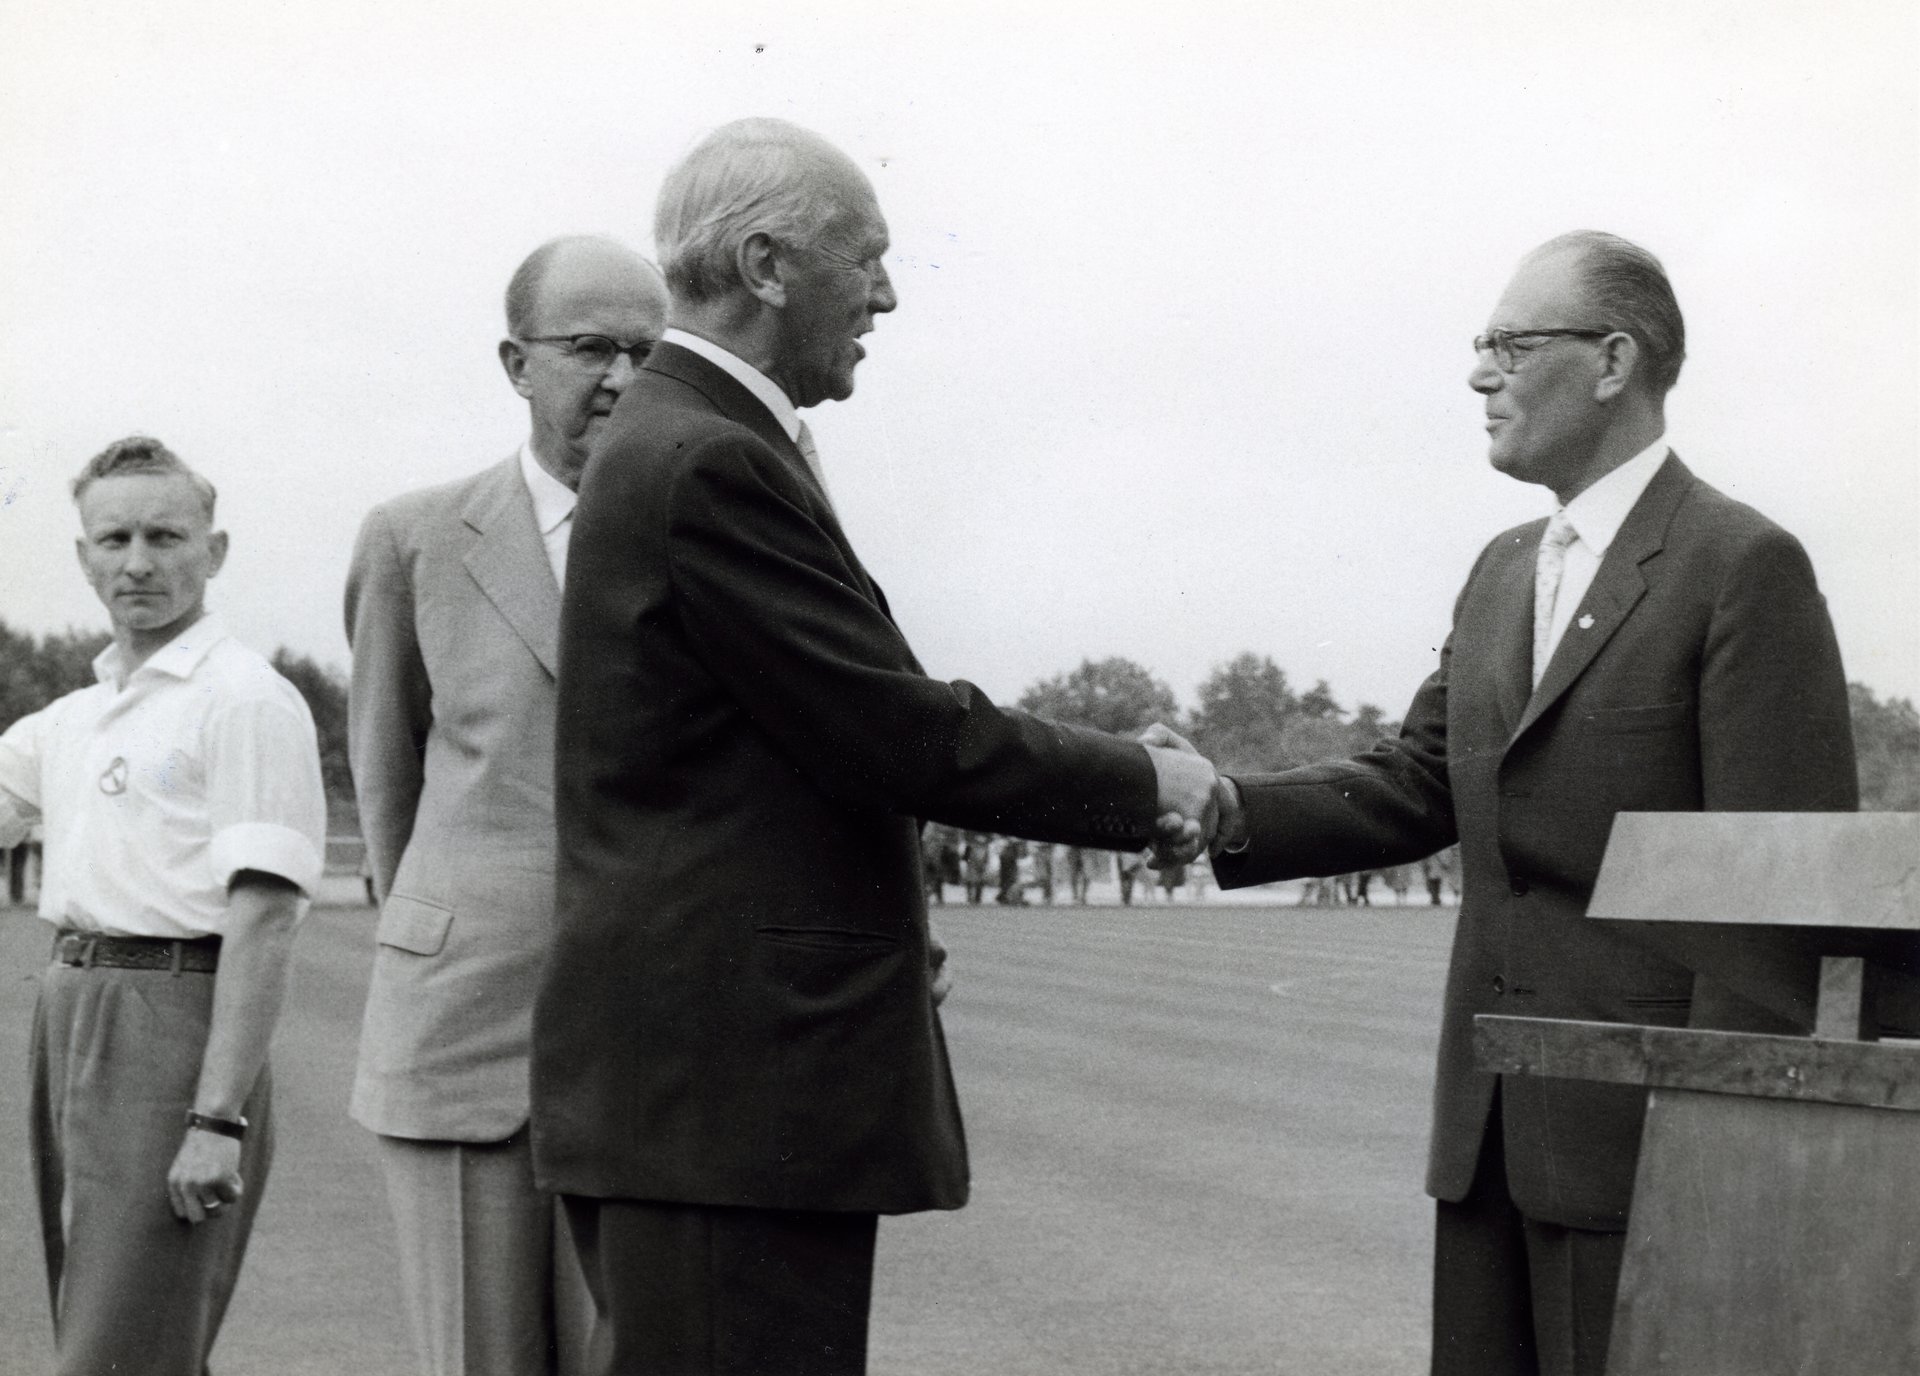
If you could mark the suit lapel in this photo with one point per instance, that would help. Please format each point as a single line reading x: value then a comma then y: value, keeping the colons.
x: 736, y: 403
x: 508, y: 559
x: 1617, y: 587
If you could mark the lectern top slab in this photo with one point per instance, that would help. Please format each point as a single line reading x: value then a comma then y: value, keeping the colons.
x: 1797, y: 869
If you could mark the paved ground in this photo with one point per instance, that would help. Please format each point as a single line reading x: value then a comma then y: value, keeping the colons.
x: 1197, y: 1140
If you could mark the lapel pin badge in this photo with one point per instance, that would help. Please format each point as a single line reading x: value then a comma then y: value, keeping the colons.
x: 114, y: 781
x: 1586, y: 622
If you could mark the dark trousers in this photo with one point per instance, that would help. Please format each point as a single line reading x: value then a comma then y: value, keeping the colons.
x: 700, y: 1290
x: 1513, y: 1296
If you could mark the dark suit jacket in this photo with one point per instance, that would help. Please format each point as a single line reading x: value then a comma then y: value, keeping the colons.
x: 736, y: 1009
x: 1707, y: 679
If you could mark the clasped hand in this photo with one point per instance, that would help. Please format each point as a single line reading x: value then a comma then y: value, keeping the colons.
x: 1199, y: 808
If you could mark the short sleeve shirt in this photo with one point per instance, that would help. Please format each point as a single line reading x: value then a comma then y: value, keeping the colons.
x: 156, y: 789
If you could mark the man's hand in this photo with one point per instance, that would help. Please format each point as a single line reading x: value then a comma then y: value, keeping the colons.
x: 1230, y: 831
x: 247, y: 992
x: 939, y: 974
x: 1189, y: 808
x: 205, y: 1176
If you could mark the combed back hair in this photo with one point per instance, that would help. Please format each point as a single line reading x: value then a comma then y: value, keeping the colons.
x: 1629, y: 291
x: 523, y: 288
x: 141, y: 454
x: 753, y: 176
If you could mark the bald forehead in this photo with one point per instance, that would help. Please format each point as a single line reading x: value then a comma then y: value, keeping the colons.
x: 1562, y: 265
x: 592, y: 273
x: 1548, y: 282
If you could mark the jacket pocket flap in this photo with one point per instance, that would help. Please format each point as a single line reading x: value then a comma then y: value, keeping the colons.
x: 1657, y: 716
x: 836, y: 939
x: 413, y: 924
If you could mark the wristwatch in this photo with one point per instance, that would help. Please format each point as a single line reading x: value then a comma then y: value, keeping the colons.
x: 225, y: 1127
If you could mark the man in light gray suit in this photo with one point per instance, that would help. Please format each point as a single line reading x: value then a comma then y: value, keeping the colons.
x: 453, y: 611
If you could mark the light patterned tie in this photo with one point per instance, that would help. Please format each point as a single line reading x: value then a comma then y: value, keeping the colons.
x: 1546, y: 585
x: 811, y: 454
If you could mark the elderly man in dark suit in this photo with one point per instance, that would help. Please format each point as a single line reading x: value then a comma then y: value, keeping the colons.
x: 1654, y: 646
x: 737, y: 1063
x: 453, y: 612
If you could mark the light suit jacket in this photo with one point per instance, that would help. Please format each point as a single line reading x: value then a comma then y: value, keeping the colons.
x: 1700, y: 674
x: 453, y: 615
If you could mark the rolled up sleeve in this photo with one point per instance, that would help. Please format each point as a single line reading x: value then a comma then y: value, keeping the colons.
x: 266, y: 805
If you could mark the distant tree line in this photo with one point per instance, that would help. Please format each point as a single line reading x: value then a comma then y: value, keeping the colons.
x: 1247, y: 716
x: 1886, y: 740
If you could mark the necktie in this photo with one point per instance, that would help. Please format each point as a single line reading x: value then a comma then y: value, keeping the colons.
x: 1546, y: 584
x: 811, y: 454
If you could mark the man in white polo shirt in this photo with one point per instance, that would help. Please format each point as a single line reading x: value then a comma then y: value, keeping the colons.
x: 185, y: 824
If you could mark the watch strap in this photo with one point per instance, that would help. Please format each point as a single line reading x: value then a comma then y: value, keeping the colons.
x: 225, y: 1127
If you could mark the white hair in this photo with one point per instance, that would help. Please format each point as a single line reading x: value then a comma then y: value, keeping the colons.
x: 753, y: 176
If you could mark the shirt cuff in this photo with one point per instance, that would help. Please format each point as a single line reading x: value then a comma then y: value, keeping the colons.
x: 269, y: 848
x: 1240, y: 809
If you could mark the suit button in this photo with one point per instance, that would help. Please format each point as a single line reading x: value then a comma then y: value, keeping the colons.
x: 1499, y: 985
x: 1519, y: 887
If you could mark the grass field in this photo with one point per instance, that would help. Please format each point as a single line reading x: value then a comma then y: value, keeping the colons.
x: 1197, y: 1136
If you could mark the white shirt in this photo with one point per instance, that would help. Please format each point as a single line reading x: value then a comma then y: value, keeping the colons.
x: 157, y: 787
x: 765, y: 388
x: 553, y: 503
x: 1596, y: 516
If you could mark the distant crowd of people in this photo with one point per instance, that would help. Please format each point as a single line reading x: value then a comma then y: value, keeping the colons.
x: 1017, y: 872
x: 1011, y: 868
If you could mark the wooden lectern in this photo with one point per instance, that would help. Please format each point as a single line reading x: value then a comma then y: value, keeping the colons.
x: 1775, y: 1225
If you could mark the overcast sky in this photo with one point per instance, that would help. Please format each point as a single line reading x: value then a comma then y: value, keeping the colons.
x: 1180, y: 362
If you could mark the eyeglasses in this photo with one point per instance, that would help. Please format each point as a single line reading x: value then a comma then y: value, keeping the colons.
x: 1500, y: 343
x: 595, y: 351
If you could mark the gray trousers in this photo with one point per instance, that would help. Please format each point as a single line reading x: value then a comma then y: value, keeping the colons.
x: 492, y: 1283
x: 116, y: 1062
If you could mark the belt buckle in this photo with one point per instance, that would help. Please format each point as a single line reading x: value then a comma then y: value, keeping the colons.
x: 73, y: 949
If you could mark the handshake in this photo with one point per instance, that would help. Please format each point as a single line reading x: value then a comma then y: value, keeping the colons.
x: 1199, y: 807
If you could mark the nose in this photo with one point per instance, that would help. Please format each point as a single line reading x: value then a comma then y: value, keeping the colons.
x: 1485, y: 378
x: 619, y: 374
x: 138, y: 560
x: 880, y: 296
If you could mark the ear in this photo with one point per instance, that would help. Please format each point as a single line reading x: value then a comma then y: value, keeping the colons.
x: 513, y: 358
x: 80, y: 552
x: 217, y: 547
x: 761, y: 269
x: 1620, y: 359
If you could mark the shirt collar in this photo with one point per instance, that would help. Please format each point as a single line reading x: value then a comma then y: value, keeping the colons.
x: 1597, y: 514
x: 179, y: 657
x: 553, y: 500
x: 763, y: 387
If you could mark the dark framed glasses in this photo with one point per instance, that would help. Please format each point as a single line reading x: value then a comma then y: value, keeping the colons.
x: 1506, y: 357
x: 595, y: 351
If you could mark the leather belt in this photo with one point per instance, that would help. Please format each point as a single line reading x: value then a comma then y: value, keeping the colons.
x: 86, y: 949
